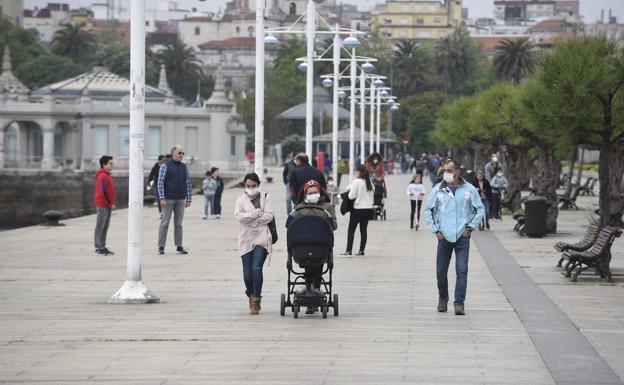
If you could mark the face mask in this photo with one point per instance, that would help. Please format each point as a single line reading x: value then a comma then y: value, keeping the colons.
x: 499, y: 174
x: 448, y: 177
x: 313, y: 198
x: 251, y: 191
x: 494, y: 159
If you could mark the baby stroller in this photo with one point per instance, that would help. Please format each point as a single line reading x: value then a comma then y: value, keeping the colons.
x: 378, y: 199
x: 310, y: 242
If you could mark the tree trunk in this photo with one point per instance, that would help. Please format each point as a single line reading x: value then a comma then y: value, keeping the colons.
x: 604, y: 178
x: 517, y: 174
x: 616, y: 182
x: 549, y: 169
x: 579, y: 173
x: 568, y: 190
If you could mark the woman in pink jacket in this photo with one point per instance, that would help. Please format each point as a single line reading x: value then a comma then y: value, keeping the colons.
x: 254, y: 211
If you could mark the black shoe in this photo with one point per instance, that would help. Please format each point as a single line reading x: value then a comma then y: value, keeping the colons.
x: 487, y: 225
x: 459, y: 309
x: 161, y: 250
x: 443, y: 305
x: 107, y: 251
x: 345, y: 254
x: 359, y: 254
x: 411, y: 227
x: 100, y: 252
x: 180, y: 250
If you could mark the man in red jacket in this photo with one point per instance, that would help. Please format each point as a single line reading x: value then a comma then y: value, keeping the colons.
x: 104, y: 203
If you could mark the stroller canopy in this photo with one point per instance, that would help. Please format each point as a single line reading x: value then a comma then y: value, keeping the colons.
x: 309, y: 230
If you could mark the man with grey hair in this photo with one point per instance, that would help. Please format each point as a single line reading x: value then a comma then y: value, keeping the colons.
x: 174, y: 193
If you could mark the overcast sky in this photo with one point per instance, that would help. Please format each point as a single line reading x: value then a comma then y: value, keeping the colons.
x: 590, y: 9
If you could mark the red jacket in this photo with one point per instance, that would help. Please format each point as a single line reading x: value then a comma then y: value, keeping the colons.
x: 104, y: 189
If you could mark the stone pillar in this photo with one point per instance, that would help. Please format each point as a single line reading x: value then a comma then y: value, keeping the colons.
x: 47, y: 162
x: 2, y: 131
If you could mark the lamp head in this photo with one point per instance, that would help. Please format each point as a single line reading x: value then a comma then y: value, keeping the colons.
x: 271, y: 40
x: 368, y: 67
x: 351, y: 42
x: 303, y: 67
x: 327, y: 83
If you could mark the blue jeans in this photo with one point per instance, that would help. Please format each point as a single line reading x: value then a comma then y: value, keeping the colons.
x: 445, y: 249
x: 209, y: 203
x: 252, y: 270
x: 289, y: 199
x: 217, y: 204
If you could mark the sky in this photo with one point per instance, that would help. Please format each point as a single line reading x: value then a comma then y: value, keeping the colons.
x: 590, y: 9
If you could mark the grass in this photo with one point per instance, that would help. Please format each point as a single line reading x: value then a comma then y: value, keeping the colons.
x: 586, y: 166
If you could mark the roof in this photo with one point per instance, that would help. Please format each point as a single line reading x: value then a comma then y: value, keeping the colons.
x: 98, y: 84
x: 322, y: 106
x: 489, y: 43
x: 549, y: 25
x: 551, y: 40
x: 343, y: 136
x: 234, y: 42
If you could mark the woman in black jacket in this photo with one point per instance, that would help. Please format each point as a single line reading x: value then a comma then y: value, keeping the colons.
x: 485, y: 192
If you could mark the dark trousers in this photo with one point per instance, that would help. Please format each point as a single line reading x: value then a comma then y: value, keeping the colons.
x: 217, y: 204
x: 414, y: 205
x: 358, y: 217
x: 445, y: 251
x: 495, y: 210
x: 313, y: 277
x: 102, y: 222
x: 252, y: 270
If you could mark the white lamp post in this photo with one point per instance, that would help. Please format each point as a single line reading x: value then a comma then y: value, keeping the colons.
x: 363, y: 112
x: 133, y: 290
x: 310, y: 29
x: 352, y: 118
x: 378, y: 145
x: 372, y: 119
x: 336, y: 61
x: 259, y: 97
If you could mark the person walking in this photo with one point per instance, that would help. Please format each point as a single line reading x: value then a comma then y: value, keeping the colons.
x: 301, y: 174
x: 327, y: 166
x: 361, y: 191
x: 288, y: 168
x: 104, y: 204
x: 175, y: 190
x: 209, y: 188
x: 453, y: 211
x: 499, y: 185
x: 492, y: 167
x: 152, y: 179
x: 254, y: 211
x: 343, y: 168
x: 219, y: 193
x: 416, y: 193
x: 485, y: 193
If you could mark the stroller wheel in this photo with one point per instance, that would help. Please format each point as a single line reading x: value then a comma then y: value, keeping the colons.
x: 335, y: 305
x: 296, y: 311
x: 324, y: 311
x: 283, y: 305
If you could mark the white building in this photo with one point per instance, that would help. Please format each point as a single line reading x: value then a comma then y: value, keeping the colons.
x: 12, y: 10
x: 73, y: 122
x: 47, y: 20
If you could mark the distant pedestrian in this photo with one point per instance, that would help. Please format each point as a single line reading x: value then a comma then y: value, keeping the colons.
x: 219, y: 193
x: 343, y: 168
x: 492, y: 167
x: 327, y: 169
x: 289, y: 166
x: 209, y: 188
x: 416, y: 193
x: 453, y: 211
x: 254, y: 211
x: 499, y: 186
x: 175, y: 190
x: 104, y: 203
x: 361, y: 191
x: 485, y: 193
x: 152, y: 179
x: 301, y: 174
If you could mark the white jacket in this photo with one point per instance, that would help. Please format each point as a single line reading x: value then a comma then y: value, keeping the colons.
x: 363, y: 198
x: 417, y: 191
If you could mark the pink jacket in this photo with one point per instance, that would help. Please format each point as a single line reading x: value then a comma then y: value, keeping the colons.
x: 254, y: 230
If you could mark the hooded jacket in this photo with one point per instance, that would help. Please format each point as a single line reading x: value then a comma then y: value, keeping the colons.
x: 104, y: 189
x: 450, y: 214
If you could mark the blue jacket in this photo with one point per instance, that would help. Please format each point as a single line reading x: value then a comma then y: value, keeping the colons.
x: 450, y: 213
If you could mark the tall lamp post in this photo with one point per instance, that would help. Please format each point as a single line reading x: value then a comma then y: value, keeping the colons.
x: 133, y: 290
x: 259, y: 97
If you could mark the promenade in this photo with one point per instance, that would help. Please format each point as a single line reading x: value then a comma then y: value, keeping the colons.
x: 56, y: 326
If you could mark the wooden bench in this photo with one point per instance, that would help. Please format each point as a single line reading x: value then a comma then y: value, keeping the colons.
x: 584, y: 189
x: 585, y: 243
x: 519, y: 227
x: 568, y: 201
x: 597, y: 256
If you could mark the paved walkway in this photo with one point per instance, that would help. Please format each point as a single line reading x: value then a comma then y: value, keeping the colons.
x: 56, y: 327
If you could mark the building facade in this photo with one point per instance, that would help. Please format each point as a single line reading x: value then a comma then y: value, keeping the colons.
x: 527, y: 10
x: 417, y: 19
x: 12, y: 10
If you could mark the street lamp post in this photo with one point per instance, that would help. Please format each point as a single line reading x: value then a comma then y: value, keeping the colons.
x: 362, y: 115
x: 378, y: 146
x: 133, y: 290
x: 259, y: 97
x: 336, y: 61
x: 372, y: 119
x: 310, y: 29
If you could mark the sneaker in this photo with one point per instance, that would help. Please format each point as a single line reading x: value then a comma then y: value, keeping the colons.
x: 107, y: 251
x: 359, y: 254
x: 180, y: 250
x: 417, y: 227
x: 160, y: 216
x: 204, y: 217
x: 346, y: 254
x: 161, y: 250
x: 411, y: 227
x: 218, y: 216
x: 99, y: 252
x: 442, y: 305
x: 459, y: 309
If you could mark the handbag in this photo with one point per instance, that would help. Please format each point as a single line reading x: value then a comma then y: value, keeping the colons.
x: 347, y: 204
x: 272, y: 227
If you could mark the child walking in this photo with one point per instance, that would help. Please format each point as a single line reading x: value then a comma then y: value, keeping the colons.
x: 416, y: 193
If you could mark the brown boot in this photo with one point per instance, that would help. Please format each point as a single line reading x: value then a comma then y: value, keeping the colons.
x: 255, y: 306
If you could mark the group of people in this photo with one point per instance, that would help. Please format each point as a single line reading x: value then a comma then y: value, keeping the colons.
x: 491, y: 185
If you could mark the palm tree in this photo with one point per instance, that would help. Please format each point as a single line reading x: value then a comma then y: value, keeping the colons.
x: 412, y: 63
x: 184, y: 70
x: 456, y: 58
x: 74, y: 42
x: 514, y: 59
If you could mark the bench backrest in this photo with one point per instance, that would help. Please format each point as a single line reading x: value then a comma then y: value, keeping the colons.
x: 604, y: 240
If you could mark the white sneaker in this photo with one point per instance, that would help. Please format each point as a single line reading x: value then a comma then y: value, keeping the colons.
x: 346, y: 254
x: 204, y: 217
x: 218, y: 216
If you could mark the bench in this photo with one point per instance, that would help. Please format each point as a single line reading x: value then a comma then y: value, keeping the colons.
x: 585, y: 243
x: 568, y: 201
x: 519, y: 227
x: 590, y: 189
x: 584, y: 189
x: 598, y: 256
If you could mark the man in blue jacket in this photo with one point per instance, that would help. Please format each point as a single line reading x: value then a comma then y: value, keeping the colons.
x: 453, y: 211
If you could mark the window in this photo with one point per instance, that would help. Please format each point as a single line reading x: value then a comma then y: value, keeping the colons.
x: 250, y: 29
x: 292, y: 9
x: 11, y: 143
x: 124, y: 140
x: 147, y: 23
x: 404, y: 21
x: 387, y: 34
x: 232, y: 145
x: 191, y: 141
x: 437, y: 20
x: 101, y: 140
x: 237, y: 29
x: 420, y: 21
x: 197, y: 31
x: 153, y: 141
x: 388, y: 21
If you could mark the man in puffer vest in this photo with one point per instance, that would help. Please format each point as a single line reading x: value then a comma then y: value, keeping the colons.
x: 174, y: 193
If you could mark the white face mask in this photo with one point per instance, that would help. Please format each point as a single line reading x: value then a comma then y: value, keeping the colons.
x: 499, y: 173
x: 252, y: 192
x: 448, y: 177
x: 494, y: 159
x: 313, y: 198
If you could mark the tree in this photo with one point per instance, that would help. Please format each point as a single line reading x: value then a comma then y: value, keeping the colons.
x: 184, y: 71
x: 74, y: 42
x: 47, y: 69
x: 514, y: 59
x: 412, y: 64
x: 457, y: 58
x: 416, y: 119
x: 24, y: 43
